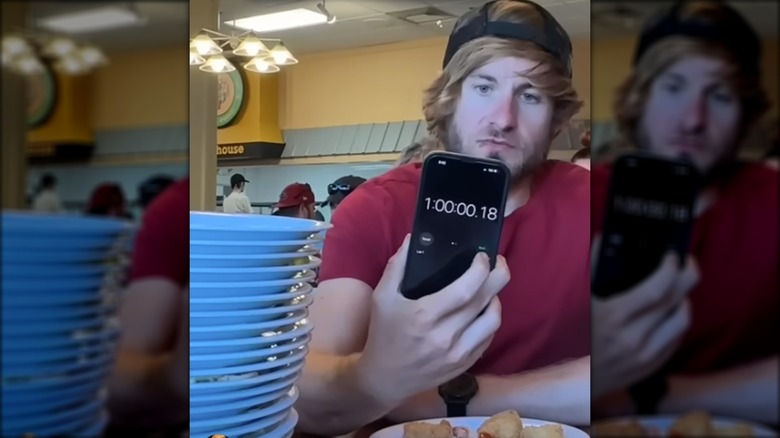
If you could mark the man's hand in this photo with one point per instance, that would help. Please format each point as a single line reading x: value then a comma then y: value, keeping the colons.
x: 413, y: 346
x: 636, y: 332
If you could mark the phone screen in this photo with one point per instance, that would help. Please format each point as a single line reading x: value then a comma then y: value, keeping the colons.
x: 460, y: 212
x: 649, y: 212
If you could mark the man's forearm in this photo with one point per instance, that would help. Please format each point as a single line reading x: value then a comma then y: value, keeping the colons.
x: 335, y: 396
x: 559, y: 393
x: 748, y: 392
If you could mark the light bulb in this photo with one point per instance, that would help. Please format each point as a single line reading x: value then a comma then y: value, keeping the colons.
x: 282, y: 56
x: 205, y: 46
x: 60, y: 47
x: 91, y: 56
x: 72, y: 65
x: 14, y: 45
x: 195, y: 58
x: 251, y: 46
x: 261, y: 65
x: 217, y: 64
x: 29, y: 65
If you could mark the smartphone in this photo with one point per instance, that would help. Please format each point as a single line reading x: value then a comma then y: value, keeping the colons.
x: 649, y: 212
x: 460, y: 212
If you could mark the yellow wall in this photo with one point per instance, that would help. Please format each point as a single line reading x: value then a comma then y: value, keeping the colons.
x: 377, y: 84
x: 612, y: 60
x: 259, y: 118
x: 142, y: 88
x: 69, y: 120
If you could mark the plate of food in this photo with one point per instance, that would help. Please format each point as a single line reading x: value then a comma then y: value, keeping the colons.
x: 691, y: 424
x: 507, y: 424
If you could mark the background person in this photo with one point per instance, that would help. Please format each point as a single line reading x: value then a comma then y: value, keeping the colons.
x: 237, y: 201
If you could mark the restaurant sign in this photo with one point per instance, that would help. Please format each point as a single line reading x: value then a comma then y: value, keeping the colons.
x: 249, y: 151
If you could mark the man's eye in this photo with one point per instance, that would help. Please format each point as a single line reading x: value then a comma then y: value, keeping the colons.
x: 483, y: 89
x: 531, y: 98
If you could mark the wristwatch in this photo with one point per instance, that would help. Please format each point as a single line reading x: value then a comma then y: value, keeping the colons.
x: 457, y: 393
x: 648, y: 393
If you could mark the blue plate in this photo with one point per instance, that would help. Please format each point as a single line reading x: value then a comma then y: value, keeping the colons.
x: 59, y: 243
x: 277, y: 362
x: 204, y: 247
x: 95, y: 429
x: 57, y: 313
x: 53, y: 404
x: 199, y: 273
x: 11, y: 345
x: 12, y: 258
x: 15, y: 223
x: 251, y: 316
x: 246, y: 358
x: 67, y: 385
x: 219, y: 291
x: 248, y: 302
x: 236, y: 261
x: 55, y: 369
x: 78, y: 297
x: 235, y: 407
x: 50, y: 285
x: 201, y: 423
x: 36, y: 358
x: 60, y: 423
x: 197, y: 401
x: 23, y: 272
x: 27, y: 330
x: 254, y: 223
x: 247, y: 344
x: 285, y: 429
x: 235, y: 331
x: 232, y: 386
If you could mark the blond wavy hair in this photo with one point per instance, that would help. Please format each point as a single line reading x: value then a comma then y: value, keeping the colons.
x: 631, y: 97
x: 549, y: 76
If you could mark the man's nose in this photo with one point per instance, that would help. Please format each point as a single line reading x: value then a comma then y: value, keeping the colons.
x: 694, y: 118
x: 504, y: 115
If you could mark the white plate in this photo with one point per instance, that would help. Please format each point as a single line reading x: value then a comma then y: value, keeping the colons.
x: 662, y: 423
x: 473, y: 423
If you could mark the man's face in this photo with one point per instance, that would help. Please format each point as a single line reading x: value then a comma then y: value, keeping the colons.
x: 692, y: 111
x: 500, y: 115
x: 306, y: 211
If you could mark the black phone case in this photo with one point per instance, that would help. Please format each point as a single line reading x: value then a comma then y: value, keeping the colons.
x: 679, y: 243
x: 420, y: 199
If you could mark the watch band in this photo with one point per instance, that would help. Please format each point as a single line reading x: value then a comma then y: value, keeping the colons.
x: 648, y: 393
x: 456, y: 409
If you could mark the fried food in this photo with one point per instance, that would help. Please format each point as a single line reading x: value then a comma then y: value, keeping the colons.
x: 428, y: 430
x: 740, y: 430
x: 692, y: 424
x: 506, y: 424
x: 546, y: 431
x: 618, y: 429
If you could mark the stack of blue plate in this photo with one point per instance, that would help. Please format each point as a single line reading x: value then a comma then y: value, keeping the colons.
x: 249, y: 294
x: 59, y: 286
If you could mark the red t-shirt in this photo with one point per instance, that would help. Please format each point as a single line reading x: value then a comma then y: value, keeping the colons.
x: 735, y: 305
x: 162, y: 245
x: 546, y: 305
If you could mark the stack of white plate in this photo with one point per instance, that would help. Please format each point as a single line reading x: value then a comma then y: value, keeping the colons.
x: 59, y: 287
x: 249, y: 294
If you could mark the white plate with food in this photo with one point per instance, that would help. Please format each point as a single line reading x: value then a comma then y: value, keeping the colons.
x: 691, y: 424
x: 506, y: 424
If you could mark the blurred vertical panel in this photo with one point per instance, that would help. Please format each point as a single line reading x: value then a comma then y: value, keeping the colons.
x: 13, y: 158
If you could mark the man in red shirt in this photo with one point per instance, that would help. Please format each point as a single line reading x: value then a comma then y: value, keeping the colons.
x: 696, y: 91
x: 149, y: 387
x: 375, y: 354
x: 296, y: 200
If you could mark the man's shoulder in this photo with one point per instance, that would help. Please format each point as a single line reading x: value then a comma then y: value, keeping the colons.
x: 173, y: 202
x: 397, y: 185
x: 559, y: 179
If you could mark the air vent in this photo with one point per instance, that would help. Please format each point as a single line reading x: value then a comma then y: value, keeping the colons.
x: 422, y: 16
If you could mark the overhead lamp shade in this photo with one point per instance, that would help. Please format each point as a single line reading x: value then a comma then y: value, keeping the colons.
x: 205, y: 46
x: 92, y: 56
x: 71, y: 65
x: 282, y: 56
x: 262, y: 64
x: 217, y: 64
x: 251, y: 46
x: 28, y: 65
x: 60, y: 47
x: 15, y: 45
x: 195, y: 58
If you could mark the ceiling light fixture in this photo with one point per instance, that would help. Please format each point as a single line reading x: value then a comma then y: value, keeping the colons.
x: 27, y: 53
x: 291, y: 19
x: 212, y: 52
x: 92, y: 20
x: 329, y: 18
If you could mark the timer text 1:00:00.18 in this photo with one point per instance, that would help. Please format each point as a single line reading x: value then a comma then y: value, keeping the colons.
x: 461, y: 209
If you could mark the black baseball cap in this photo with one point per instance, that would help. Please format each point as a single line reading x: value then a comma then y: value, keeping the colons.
x: 552, y: 38
x: 237, y: 179
x: 339, y: 189
x: 720, y: 23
